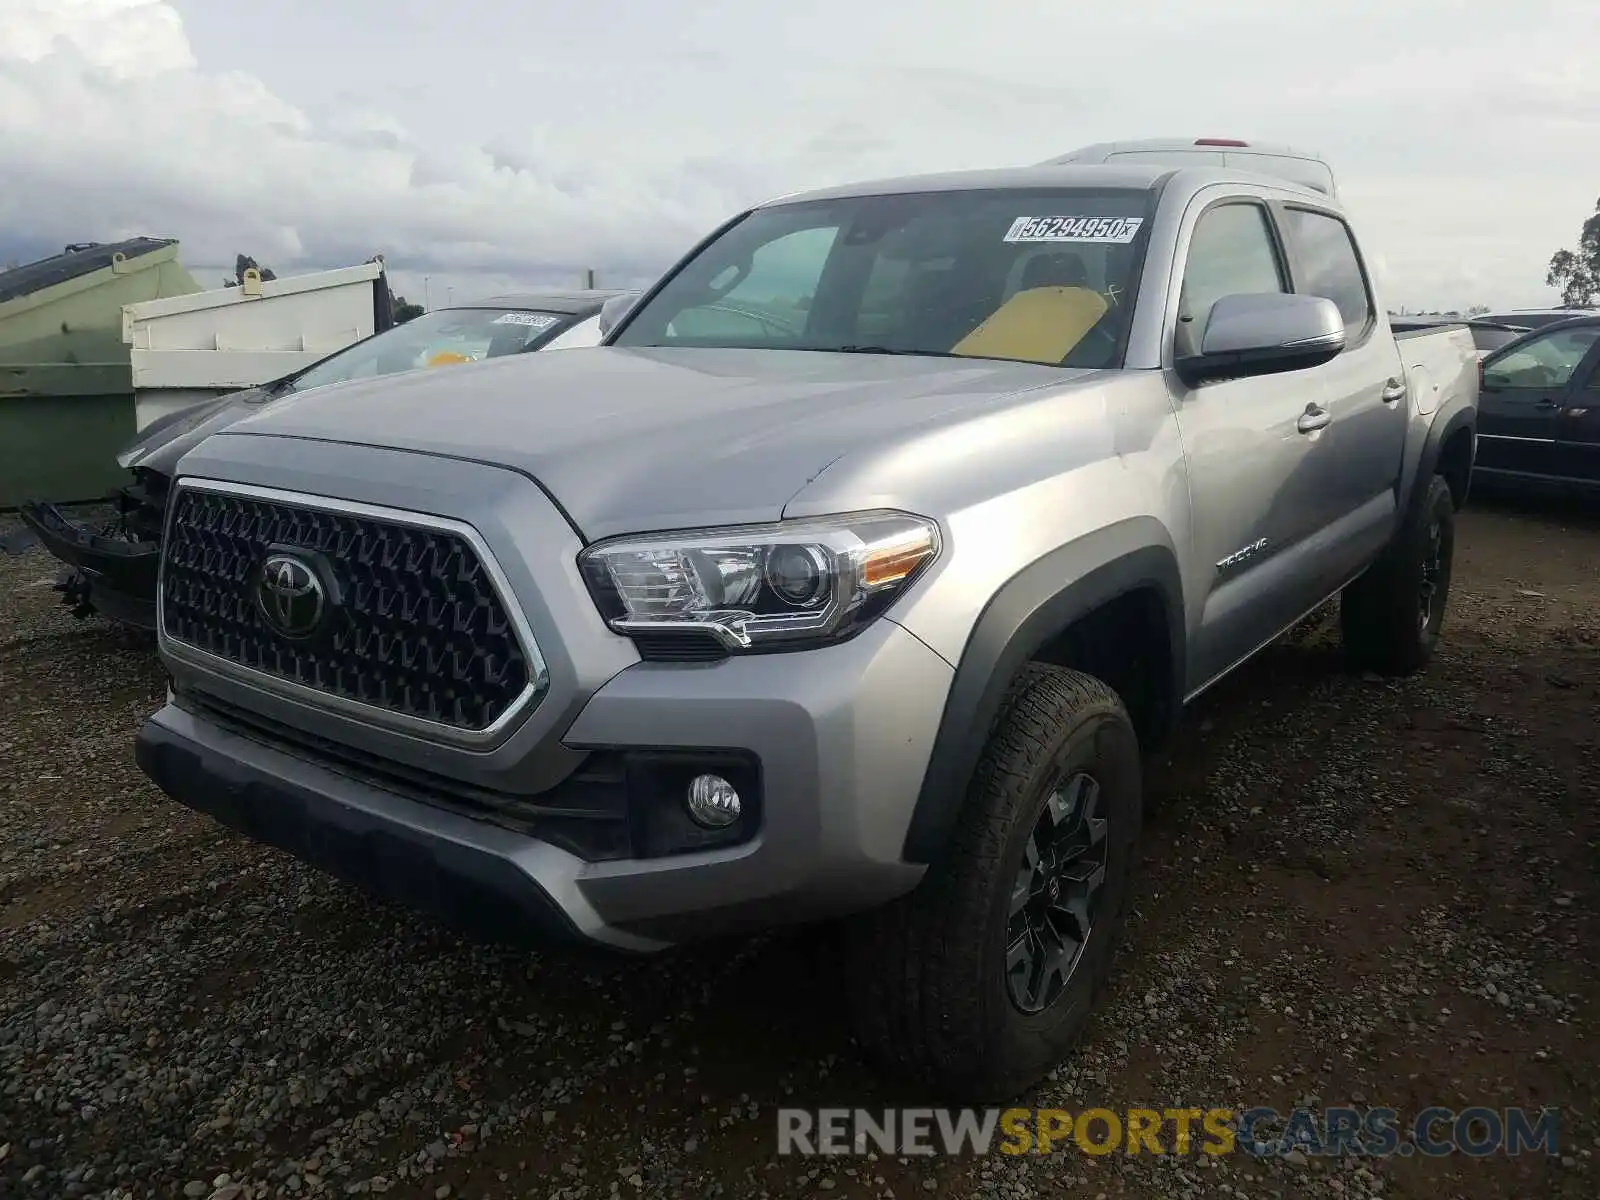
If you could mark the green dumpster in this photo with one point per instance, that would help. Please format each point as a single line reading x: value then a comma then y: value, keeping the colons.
x: 66, y: 387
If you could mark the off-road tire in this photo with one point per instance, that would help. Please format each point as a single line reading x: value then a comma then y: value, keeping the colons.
x: 927, y: 974
x: 1380, y: 613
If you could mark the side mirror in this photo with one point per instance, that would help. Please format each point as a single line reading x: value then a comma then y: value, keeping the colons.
x: 1247, y: 335
x: 614, y: 309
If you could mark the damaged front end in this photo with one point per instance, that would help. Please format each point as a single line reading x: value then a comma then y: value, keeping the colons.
x: 111, y: 569
x: 112, y: 565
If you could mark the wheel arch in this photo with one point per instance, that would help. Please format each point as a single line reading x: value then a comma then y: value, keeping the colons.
x: 1450, y: 450
x: 1128, y: 571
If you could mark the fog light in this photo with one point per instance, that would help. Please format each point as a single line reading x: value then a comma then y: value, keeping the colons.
x: 713, y: 802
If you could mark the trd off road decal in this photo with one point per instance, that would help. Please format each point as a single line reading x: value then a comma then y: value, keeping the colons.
x: 1114, y: 230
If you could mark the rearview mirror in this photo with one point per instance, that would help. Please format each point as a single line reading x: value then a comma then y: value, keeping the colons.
x: 1247, y: 335
x: 614, y: 309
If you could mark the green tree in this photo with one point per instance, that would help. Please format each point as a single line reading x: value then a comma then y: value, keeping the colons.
x: 404, y: 310
x: 1577, y: 272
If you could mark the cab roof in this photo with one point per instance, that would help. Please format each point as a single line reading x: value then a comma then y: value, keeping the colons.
x: 1152, y: 177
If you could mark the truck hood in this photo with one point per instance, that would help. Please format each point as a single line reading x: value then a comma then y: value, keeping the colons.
x: 163, y: 442
x: 631, y: 440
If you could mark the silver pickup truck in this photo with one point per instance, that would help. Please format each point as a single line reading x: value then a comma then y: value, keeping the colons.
x: 854, y: 576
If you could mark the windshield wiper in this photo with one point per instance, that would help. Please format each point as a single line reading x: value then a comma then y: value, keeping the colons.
x: 889, y: 350
x: 912, y: 353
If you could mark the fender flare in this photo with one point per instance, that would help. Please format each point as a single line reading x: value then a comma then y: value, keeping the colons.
x: 1031, y: 608
x: 1440, y: 432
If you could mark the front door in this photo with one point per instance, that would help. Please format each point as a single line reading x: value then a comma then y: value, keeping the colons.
x: 1521, y: 398
x: 1578, y: 425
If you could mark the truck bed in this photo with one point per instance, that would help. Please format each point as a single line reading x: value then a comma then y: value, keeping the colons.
x: 1440, y: 364
x: 1406, y: 335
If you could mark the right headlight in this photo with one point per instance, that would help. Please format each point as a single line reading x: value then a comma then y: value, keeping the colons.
x: 786, y: 586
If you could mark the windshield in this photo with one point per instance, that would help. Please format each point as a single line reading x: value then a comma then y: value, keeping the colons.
x: 434, y: 339
x: 1044, y: 275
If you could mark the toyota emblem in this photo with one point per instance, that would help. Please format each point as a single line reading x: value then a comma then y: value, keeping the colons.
x: 291, y: 597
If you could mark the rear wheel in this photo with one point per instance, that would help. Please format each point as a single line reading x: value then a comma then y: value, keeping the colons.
x: 1392, y: 616
x: 978, y: 982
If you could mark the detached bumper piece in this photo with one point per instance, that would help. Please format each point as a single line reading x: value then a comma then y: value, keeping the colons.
x: 111, y: 574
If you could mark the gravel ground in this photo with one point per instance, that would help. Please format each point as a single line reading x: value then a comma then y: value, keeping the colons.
x: 1354, y: 891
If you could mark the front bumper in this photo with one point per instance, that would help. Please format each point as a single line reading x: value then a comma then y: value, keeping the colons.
x: 838, y: 739
x: 466, y: 872
x: 111, y: 575
x: 840, y: 736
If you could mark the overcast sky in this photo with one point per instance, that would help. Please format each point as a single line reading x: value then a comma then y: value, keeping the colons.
x: 493, y: 143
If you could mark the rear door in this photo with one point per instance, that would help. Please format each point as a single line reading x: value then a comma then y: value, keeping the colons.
x: 1358, y: 458
x: 1578, y: 424
x: 1247, y: 458
x: 1523, y: 391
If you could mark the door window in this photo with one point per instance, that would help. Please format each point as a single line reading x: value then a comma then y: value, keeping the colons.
x: 1327, y: 260
x: 1231, y: 252
x: 1544, y: 363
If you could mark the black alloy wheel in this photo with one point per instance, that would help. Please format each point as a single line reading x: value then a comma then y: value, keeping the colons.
x: 1429, y: 594
x: 1055, y: 896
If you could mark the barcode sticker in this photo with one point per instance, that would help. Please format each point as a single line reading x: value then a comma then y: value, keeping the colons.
x: 534, y: 320
x: 1113, y: 230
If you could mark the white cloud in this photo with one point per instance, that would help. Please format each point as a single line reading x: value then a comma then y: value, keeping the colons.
x: 488, y: 142
x: 124, y: 38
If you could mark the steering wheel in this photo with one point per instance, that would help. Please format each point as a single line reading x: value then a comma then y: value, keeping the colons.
x: 778, y: 323
x: 767, y: 321
x: 1097, y: 348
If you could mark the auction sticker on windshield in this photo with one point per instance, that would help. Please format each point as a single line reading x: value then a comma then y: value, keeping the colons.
x: 1114, y: 230
x: 535, y: 320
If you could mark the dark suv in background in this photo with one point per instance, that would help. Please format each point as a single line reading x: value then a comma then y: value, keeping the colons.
x: 1539, y: 409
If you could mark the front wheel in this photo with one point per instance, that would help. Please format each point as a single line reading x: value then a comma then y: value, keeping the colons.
x: 1391, y: 617
x: 979, y: 981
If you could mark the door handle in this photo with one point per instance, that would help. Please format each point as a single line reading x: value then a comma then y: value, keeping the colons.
x: 1547, y: 403
x: 1314, y: 418
x: 1394, y: 390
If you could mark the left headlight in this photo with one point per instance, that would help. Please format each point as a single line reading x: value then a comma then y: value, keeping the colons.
x: 786, y: 586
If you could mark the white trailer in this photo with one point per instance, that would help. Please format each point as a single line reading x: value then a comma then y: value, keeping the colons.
x: 186, y: 349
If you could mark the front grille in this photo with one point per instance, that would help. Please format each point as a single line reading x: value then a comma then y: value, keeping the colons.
x: 418, y: 629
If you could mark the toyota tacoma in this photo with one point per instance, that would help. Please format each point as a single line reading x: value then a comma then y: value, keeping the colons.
x: 852, y: 578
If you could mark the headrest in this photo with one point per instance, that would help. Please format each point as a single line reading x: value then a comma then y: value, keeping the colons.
x: 1059, y: 269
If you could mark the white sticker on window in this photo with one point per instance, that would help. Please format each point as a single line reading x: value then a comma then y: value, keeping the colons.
x: 1116, y: 230
x: 534, y: 320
